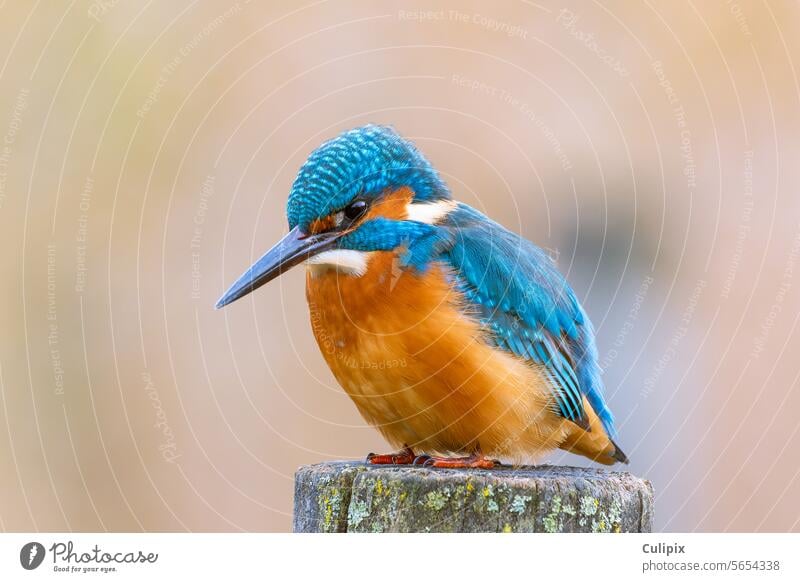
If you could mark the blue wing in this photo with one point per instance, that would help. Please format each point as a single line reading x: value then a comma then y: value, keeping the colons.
x: 529, y: 308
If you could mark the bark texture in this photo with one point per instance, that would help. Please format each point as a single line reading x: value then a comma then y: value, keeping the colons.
x: 355, y: 497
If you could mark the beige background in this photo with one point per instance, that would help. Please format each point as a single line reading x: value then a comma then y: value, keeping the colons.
x: 147, y: 150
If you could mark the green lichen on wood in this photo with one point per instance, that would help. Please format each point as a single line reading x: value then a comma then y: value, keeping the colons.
x: 552, y: 521
x: 331, y: 503
x: 322, y: 497
x: 357, y: 512
x: 360, y: 498
x: 436, y: 500
x: 520, y: 503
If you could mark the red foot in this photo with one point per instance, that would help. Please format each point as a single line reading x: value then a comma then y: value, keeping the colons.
x: 404, y: 457
x: 471, y: 462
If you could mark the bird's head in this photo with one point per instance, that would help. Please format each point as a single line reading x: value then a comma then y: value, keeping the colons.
x: 368, y: 189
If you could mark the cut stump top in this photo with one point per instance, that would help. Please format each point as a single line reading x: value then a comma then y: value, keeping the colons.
x: 345, y: 496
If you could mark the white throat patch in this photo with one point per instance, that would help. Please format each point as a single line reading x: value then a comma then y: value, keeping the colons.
x: 343, y: 260
x: 355, y: 263
x: 430, y: 212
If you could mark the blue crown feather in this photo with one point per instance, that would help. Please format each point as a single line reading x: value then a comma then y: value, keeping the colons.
x: 360, y: 162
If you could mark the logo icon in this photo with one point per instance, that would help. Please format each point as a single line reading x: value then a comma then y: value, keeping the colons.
x: 31, y: 555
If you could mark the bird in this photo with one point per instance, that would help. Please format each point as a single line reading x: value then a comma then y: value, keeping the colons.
x: 457, y: 339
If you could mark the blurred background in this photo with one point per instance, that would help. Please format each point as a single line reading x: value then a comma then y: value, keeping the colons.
x: 146, y: 151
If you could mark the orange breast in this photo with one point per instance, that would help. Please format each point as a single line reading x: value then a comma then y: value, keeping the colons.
x: 418, y: 368
x: 417, y: 364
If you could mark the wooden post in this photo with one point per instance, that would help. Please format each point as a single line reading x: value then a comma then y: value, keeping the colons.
x: 355, y: 497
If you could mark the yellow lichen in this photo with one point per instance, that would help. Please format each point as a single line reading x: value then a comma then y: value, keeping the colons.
x: 329, y: 503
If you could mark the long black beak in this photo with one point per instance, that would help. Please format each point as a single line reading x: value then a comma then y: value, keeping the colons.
x: 291, y: 250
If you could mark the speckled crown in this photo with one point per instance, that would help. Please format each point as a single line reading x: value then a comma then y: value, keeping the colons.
x: 363, y: 161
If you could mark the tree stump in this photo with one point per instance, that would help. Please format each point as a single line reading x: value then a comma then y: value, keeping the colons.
x: 355, y: 497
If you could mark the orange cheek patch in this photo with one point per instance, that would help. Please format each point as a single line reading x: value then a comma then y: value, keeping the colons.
x: 392, y: 205
x: 322, y: 224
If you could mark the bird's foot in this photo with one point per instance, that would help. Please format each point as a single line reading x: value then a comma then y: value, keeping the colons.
x: 471, y: 462
x: 404, y: 457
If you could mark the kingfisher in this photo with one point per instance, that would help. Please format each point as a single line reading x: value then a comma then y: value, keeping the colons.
x: 459, y: 340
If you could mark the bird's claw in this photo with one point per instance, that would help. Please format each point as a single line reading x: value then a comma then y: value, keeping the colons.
x: 408, y: 457
x: 472, y: 462
x: 420, y: 460
x: 404, y: 457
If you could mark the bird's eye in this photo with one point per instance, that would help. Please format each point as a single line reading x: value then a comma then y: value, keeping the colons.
x: 355, y: 209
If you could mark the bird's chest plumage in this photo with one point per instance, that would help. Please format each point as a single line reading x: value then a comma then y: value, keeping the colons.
x: 372, y: 328
x: 415, y: 364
